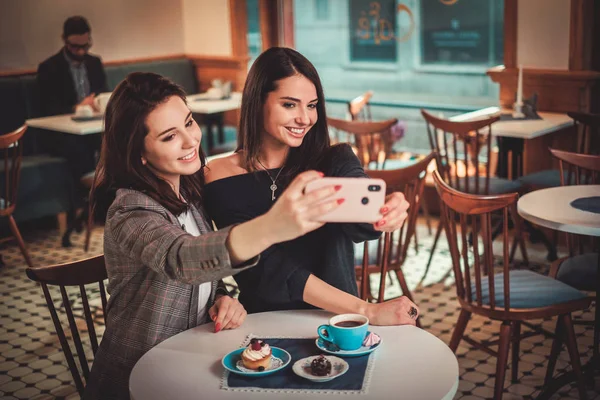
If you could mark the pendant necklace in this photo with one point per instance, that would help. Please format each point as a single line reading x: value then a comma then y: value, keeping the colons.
x: 273, y: 186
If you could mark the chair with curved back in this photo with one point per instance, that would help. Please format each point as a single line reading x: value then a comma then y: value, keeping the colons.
x: 12, y: 157
x: 370, y: 138
x: 458, y: 146
x: 78, y: 273
x: 510, y: 296
x: 587, y: 127
x: 388, y: 254
x: 580, y: 268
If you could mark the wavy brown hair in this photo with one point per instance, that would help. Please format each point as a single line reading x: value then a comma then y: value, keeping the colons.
x: 271, y: 66
x: 120, y: 164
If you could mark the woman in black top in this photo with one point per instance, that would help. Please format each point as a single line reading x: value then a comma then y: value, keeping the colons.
x: 283, y: 132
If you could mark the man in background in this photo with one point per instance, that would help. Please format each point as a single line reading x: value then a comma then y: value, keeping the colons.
x: 69, y: 79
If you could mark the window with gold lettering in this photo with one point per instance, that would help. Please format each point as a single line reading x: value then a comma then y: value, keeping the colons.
x: 373, y: 30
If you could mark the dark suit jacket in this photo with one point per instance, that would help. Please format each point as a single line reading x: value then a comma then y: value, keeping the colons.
x: 154, y: 269
x: 57, y: 89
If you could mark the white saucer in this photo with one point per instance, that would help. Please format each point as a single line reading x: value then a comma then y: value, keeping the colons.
x: 338, y: 368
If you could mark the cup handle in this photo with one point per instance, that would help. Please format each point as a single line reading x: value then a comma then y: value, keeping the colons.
x: 327, y: 336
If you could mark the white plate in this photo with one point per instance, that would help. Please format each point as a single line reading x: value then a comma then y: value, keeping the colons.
x: 338, y: 368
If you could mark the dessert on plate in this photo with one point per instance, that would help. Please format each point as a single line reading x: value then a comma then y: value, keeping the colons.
x: 320, y: 366
x: 257, y: 356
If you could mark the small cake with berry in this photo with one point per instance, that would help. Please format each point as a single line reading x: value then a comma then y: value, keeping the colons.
x: 257, y: 356
x: 320, y: 366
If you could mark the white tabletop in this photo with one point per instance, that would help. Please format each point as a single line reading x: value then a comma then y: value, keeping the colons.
x: 64, y: 123
x: 552, y: 209
x: 411, y: 362
x: 200, y: 104
x: 523, y: 129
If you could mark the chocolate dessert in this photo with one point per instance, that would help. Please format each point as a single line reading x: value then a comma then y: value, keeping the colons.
x: 320, y: 366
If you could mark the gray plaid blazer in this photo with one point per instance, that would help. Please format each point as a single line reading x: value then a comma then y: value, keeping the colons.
x: 154, y: 270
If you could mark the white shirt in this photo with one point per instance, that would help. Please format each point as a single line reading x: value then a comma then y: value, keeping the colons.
x: 189, y: 225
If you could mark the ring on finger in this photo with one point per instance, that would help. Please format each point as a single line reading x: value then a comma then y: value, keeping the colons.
x: 412, y: 313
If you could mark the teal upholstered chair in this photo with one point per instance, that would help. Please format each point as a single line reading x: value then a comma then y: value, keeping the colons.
x: 499, y: 292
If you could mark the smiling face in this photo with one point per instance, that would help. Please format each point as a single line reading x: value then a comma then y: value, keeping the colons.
x: 290, y: 111
x: 172, y: 145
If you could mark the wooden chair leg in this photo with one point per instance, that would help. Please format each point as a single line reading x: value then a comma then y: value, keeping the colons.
x: 503, y: 348
x: 17, y: 234
x: 438, y: 232
x: 459, y: 329
x: 403, y: 285
x: 555, y: 351
x: 88, y: 231
x: 574, y: 354
x: 516, y: 340
x: 427, y: 216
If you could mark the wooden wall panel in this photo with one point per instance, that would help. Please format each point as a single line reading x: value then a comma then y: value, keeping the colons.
x: 225, y: 68
x: 558, y: 90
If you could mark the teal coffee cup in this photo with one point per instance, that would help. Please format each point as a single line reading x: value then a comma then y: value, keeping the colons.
x: 346, y: 331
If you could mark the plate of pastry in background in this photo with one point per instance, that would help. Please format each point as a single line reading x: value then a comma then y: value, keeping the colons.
x: 256, y: 359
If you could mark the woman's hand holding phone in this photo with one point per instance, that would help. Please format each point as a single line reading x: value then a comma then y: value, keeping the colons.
x: 296, y: 212
x: 394, y: 213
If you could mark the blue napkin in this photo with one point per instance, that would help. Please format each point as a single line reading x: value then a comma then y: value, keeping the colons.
x: 353, y: 380
x: 591, y: 204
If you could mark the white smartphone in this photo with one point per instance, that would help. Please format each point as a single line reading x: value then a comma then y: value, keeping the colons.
x: 363, y: 199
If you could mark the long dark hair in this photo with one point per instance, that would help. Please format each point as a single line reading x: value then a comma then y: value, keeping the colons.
x: 271, y: 66
x: 120, y: 164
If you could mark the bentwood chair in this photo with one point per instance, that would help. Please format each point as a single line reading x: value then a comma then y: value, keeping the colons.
x: 389, y: 253
x: 370, y: 137
x: 458, y: 146
x: 580, y: 268
x: 10, y: 168
x: 510, y: 296
x: 79, y: 273
x: 587, y: 127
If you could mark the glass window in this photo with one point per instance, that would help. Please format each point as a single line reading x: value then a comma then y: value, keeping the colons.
x: 372, y: 30
x: 253, y: 35
x: 461, y: 32
x: 412, y: 54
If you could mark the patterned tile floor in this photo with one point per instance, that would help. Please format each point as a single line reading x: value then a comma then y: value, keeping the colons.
x: 33, y: 367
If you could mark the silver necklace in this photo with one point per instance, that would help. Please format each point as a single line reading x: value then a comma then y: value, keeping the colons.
x: 273, y: 186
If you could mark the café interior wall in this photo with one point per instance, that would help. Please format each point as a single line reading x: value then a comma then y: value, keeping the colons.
x: 543, y: 34
x: 30, y: 30
x: 206, y: 27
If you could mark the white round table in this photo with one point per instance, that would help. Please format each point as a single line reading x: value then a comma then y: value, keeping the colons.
x: 411, y: 362
x: 552, y: 209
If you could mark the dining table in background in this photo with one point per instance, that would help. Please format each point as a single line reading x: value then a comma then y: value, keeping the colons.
x: 552, y: 208
x: 197, y: 103
x: 411, y: 363
x: 524, y: 141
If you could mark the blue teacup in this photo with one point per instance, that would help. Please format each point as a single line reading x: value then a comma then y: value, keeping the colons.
x: 346, y: 331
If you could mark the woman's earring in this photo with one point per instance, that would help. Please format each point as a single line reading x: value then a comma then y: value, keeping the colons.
x: 143, y: 161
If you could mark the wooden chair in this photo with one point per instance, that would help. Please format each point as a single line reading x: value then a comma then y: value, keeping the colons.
x: 359, y: 107
x: 580, y: 268
x: 458, y: 146
x: 587, y: 141
x: 79, y: 273
x: 12, y: 154
x: 390, y: 253
x: 511, y: 296
x: 370, y: 138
